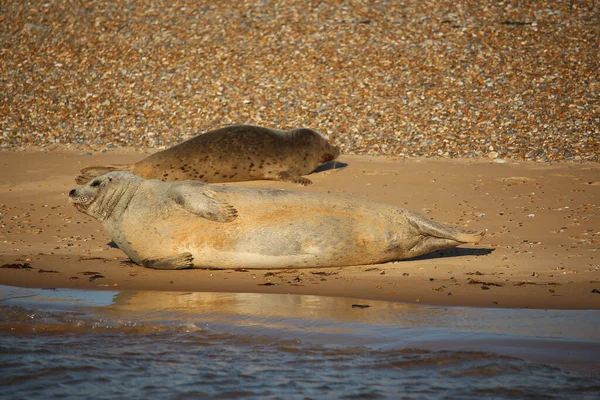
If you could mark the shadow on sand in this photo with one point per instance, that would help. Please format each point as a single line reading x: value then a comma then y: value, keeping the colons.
x: 455, y: 252
x: 332, y: 165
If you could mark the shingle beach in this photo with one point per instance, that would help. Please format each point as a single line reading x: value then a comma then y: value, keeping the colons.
x: 503, y: 80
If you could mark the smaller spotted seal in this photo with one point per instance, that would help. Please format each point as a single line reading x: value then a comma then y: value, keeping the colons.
x: 190, y: 224
x: 233, y: 154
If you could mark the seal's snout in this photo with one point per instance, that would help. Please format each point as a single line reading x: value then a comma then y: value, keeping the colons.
x: 72, y: 193
x: 336, y: 152
x: 327, y: 157
x: 332, y: 154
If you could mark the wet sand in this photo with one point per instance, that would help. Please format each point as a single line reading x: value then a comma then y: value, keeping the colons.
x: 540, y: 250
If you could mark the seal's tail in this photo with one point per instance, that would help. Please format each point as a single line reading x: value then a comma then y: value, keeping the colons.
x: 434, y: 229
x: 89, y: 173
x: 435, y: 236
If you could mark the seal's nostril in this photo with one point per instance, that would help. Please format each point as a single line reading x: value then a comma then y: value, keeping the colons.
x: 72, y: 193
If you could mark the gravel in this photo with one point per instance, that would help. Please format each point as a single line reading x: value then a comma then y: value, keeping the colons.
x: 496, y: 79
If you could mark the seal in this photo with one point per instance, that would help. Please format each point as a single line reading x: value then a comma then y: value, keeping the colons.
x: 191, y: 224
x: 233, y: 154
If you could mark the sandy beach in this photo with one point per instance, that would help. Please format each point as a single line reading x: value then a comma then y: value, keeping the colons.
x: 540, y: 250
x: 483, y: 115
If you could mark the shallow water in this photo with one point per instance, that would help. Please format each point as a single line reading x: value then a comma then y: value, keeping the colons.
x: 138, y: 345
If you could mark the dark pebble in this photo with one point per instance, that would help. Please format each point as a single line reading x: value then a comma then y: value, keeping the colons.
x: 17, y: 266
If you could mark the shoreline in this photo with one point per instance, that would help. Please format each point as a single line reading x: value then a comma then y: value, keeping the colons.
x: 556, y: 337
x: 540, y: 250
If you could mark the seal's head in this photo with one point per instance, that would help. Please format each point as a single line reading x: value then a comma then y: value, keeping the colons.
x: 330, y: 156
x: 102, y: 193
x: 330, y: 153
x: 321, y: 149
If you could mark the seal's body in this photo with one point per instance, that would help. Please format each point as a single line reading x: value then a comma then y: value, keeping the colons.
x: 173, y: 225
x: 233, y: 154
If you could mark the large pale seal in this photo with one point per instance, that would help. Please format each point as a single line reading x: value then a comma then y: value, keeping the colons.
x: 173, y: 225
x: 233, y: 154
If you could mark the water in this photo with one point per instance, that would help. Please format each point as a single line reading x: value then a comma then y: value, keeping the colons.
x: 140, y: 345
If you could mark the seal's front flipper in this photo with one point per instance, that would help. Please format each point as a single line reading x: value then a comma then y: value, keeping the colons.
x: 290, y: 176
x: 218, y: 211
x: 204, y: 204
x: 89, y: 173
x: 182, y: 261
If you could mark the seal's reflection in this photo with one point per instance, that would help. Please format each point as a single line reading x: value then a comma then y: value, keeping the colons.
x: 263, y: 308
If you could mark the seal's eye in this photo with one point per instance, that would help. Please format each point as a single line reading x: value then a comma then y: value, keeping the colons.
x: 95, y: 183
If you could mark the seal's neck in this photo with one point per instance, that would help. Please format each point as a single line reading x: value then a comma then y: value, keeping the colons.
x: 114, y: 201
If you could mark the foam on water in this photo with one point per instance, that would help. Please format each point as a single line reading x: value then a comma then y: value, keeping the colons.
x: 104, y: 344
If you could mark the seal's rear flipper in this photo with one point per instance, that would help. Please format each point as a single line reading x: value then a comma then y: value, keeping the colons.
x: 89, y: 173
x: 431, y: 228
x: 182, y: 261
x: 473, y: 237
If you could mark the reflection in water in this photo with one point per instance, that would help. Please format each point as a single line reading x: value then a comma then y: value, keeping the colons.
x: 259, y: 309
x: 248, y: 309
x: 197, y: 345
